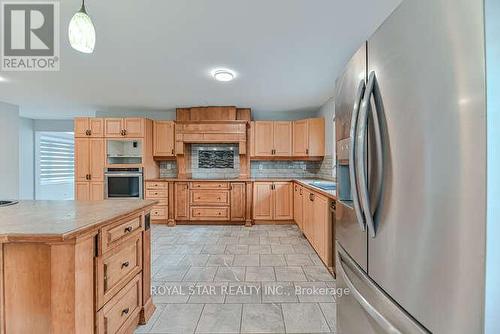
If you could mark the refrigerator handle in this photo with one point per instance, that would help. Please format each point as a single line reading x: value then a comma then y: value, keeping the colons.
x: 369, y: 208
x: 352, y: 153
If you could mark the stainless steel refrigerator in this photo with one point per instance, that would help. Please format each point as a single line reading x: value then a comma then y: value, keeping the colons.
x: 412, y: 149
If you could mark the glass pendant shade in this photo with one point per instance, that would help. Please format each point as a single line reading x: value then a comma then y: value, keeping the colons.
x: 81, y: 32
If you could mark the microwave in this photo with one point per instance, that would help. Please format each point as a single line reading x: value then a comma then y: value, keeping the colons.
x: 123, y: 183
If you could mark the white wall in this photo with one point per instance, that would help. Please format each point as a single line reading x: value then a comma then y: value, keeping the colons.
x: 26, y: 159
x: 53, y: 125
x: 9, y: 151
x: 327, y: 111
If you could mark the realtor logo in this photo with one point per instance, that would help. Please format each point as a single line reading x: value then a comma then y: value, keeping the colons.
x: 30, y: 36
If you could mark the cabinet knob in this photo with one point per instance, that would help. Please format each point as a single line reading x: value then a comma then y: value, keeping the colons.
x: 173, y: 152
x: 125, y: 311
x: 125, y: 264
x: 128, y: 229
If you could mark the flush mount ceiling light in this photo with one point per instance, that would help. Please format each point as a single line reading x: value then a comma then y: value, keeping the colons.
x: 223, y: 74
x: 81, y: 31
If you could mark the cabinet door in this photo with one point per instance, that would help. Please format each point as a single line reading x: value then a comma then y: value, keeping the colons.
x: 252, y: 139
x: 282, y: 139
x: 96, y: 159
x: 263, y: 139
x: 181, y: 201
x: 113, y: 127
x: 297, y: 205
x: 96, y: 126
x: 316, y: 133
x: 96, y: 191
x: 320, y: 225
x: 283, y: 201
x: 263, y: 201
x: 163, y: 143
x: 238, y: 201
x: 134, y: 127
x: 300, y: 138
x: 82, y: 191
x: 307, y: 216
x: 81, y: 127
x: 82, y: 159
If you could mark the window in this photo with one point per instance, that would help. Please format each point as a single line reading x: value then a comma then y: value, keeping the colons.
x: 54, y: 165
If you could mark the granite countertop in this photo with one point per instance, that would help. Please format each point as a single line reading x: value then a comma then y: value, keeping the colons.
x: 61, y: 220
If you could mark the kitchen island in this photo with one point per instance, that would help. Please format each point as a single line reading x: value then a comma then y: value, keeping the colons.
x: 75, y: 266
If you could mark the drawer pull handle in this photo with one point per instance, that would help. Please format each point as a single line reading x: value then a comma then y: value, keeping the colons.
x: 219, y: 213
x: 218, y: 198
x: 125, y: 311
x: 128, y: 229
x: 125, y: 264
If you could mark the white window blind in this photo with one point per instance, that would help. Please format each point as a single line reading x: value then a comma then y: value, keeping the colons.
x: 56, y: 157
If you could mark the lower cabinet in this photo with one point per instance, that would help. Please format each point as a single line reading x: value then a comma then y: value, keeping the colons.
x: 298, y: 205
x: 157, y: 191
x: 181, y: 201
x: 273, y: 201
x: 315, y: 221
x: 238, y: 201
x: 89, y: 191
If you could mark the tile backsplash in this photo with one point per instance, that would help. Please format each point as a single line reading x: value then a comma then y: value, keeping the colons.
x: 296, y: 169
x: 215, y: 161
x: 300, y: 169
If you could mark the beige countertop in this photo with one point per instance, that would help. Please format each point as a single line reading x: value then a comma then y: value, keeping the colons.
x: 61, y: 220
x: 304, y: 182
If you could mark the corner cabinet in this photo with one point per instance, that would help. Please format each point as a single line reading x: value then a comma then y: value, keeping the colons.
x: 273, y: 201
x: 272, y: 138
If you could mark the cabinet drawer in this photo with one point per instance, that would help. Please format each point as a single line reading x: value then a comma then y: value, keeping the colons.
x: 209, y: 197
x: 123, y: 310
x: 209, y: 213
x: 156, y: 185
x: 117, y: 267
x: 161, y: 201
x: 157, y: 193
x: 159, y: 212
x: 113, y: 235
x: 209, y: 185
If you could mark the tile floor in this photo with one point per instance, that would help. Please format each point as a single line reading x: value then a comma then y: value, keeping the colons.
x: 233, y: 279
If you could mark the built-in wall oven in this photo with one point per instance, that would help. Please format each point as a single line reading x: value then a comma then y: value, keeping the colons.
x: 123, y: 183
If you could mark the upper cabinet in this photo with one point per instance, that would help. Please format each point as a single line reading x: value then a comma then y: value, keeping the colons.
x: 272, y: 138
x: 86, y: 127
x: 285, y: 139
x: 309, y: 137
x: 163, y: 139
x: 124, y: 127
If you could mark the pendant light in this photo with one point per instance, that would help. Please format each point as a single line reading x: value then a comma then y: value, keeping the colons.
x: 81, y: 31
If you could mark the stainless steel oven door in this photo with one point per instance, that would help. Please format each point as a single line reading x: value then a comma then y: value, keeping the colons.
x: 124, y: 185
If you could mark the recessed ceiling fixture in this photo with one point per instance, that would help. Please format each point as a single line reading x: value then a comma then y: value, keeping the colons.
x: 81, y: 31
x: 223, y: 74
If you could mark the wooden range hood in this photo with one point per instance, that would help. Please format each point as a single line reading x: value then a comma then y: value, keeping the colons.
x: 213, y: 125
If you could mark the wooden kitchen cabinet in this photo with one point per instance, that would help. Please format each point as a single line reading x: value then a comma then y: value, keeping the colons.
x: 282, y: 138
x: 238, y: 201
x: 298, y: 205
x: 320, y: 224
x: 124, y: 127
x: 263, y: 202
x: 181, y: 201
x: 273, y: 201
x: 308, y: 219
x: 89, y: 168
x: 309, y: 137
x: 272, y: 138
x: 89, y: 127
x: 283, y: 201
x: 163, y: 139
x: 263, y: 140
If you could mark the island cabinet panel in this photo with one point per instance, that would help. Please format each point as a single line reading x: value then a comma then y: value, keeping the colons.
x: 181, y: 201
x: 263, y: 140
x: 163, y: 139
x: 282, y: 138
x: 263, y: 201
x: 121, y: 314
x: 238, y: 201
x: 283, y: 201
x: 298, y: 205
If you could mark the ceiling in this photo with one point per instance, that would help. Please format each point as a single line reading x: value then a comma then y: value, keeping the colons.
x: 157, y: 55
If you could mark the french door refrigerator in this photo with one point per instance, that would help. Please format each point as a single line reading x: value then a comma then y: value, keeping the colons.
x: 412, y: 151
